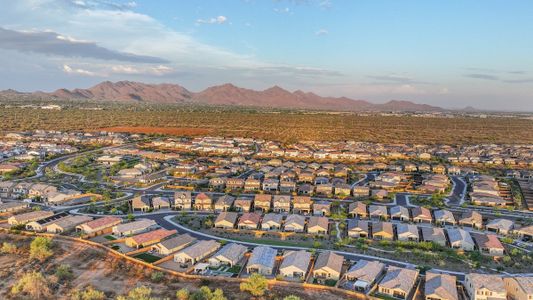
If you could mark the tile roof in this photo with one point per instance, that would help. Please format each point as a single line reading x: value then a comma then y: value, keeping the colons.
x: 399, y: 278
x: 264, y: 256
x: 442, y: 285
x: 366, y: 270
x: 329, y: 259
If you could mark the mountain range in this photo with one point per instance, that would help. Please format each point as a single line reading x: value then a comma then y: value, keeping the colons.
x: 226, y: 94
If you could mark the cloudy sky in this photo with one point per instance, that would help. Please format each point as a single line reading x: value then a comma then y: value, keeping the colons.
x: 452, y: 53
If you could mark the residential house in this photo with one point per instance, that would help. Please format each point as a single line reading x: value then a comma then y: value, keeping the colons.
x: 11, y: 207
x: 295, y: 264
x: 263, y: 202
x: 471, y: 219
x: 328, y: 265
x: 421, y: 215
x: 262, y: 260
x: 286, y: 187
x: 249, y: 221
x: 235, y: 183
x: 226, y: 220
x: 378, y: 212
x: 67, y: 224
x: 29, y: 217
x: 203, y: 202
x: 488, y: 244
x: 135, y: 227
x: 302, y: 204
x: 519, y: 287
x: 526, y: 232
x: 361, y: 191
x: 148, y: 238
x: 398, y: 282
x: 270, y: 185
x: 321, y: 208
x: 444, y: 217
x: 400, y: 213
x: 306, y: 189
x: 217, y: 183
x: 41, y: 190
x: 382, y: 231
x: 282, y: 204
x: 407, y: 232
x: 324, y: 189
x: 183, y: 200
x: 358, y: 209
x: 224, y: 203
x: 173, y: 244
x: 42, y: 224
x: 502, y: 226
x: 460, y: 239
x: 243, y: 204
x: 141, y: 203
x: 294, y: 223
x: 251, y: 185
x: 271, y: 221
x: 434, y: 234
x: 229, y: 255
x: 160, y: 203
x: 195, y: 253
x: 364, y: 273
x: 485, y: 287
x: 440, y: 287
x: 318, y: 225
x: 358, y: 228
x: 342, y: 189
x: 98, y: 225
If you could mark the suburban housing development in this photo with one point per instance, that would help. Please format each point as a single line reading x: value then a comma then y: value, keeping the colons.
x: 373, y: 220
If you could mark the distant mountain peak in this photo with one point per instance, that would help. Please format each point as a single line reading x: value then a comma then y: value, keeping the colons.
x: 227, y: 94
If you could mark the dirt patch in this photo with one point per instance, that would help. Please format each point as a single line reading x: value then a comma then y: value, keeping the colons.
x: 179, y: 131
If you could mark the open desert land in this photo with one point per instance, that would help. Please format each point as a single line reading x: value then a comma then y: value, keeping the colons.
x: 280, y: 125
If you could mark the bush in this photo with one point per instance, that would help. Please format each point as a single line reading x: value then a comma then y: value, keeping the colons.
x: 182, y: 294
x: 88, y: 294
x: 256, y: 285
x: 8, y: 248
x: 32, y: 284
x: 157, y: 276
x: 138, y: 293
x: 40, y: 248
x: 63, y: 272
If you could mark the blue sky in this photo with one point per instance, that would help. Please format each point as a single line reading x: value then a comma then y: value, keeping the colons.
x: 452, y: 53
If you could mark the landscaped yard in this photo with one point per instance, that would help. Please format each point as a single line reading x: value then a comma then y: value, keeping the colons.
x: 147, y: 257
x: 110, y: 237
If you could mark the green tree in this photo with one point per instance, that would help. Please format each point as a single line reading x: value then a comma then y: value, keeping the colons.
x: 291, y: 297
x: 32, y: 284
x: 131, y: 217
x: 256, y: 285
x: 40, y: 248
x: 88, y: 294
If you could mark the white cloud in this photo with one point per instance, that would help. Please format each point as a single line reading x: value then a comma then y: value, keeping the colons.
x: 322, y: 32
x: 216, y: 20
x: 69, y: 70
